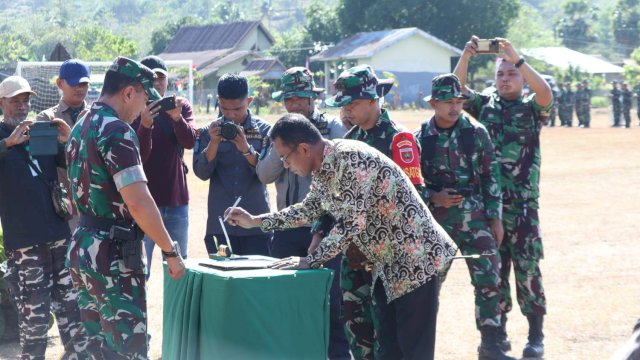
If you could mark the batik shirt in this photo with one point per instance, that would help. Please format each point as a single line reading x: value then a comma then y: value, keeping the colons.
x: 514, y: 127
x: 377, y: 209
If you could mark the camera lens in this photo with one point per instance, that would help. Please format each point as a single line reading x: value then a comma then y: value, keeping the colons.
x: 228, y: 130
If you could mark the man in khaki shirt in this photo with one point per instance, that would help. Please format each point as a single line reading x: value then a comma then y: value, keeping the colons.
x: 73, y: 82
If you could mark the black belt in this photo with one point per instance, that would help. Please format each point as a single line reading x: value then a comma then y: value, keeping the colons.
x: 103, y: 224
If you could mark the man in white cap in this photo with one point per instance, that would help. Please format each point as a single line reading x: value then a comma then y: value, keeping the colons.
x: 35, y: 238
x: 73, y: 82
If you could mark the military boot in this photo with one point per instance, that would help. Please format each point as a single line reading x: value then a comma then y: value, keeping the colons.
x: 489, y: 349
x: 503, y: 338
x: 535, y: 347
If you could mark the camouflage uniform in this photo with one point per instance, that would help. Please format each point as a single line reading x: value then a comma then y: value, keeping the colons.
x: 616, y: 103
x: 35, y: 241
x: 627, y: 98
x: 565, y: 106
x: 636, y: 94
x: 360, y: 82
x: 554, y: 110
x: 514, y: 127
x: 447, y: 163
x: 103, y: 157
x: 585, y: 104
x: 580, y: 94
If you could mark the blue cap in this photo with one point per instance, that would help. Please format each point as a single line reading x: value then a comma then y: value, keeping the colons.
x: 74, y: 72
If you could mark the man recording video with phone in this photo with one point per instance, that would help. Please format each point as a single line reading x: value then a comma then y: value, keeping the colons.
x: 165, y: 128
x: 514, y: 123
x: 226, y: 154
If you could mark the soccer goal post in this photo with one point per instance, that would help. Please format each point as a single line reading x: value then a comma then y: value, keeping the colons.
x: 42, y: 76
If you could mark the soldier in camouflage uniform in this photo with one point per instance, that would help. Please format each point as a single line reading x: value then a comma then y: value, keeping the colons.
x: 636, y: 94
x: 463, y: 193
x: 106, y: 256
x: 298, y: 92
x: 586, y: 104
x: 35, y: 238
x: 579, y: 97
x: 627, y: 98
x: 565, y: 105
x: 358, y: 94
x: 616, y: 103
x: 551, y: 122
x: 514, y: 124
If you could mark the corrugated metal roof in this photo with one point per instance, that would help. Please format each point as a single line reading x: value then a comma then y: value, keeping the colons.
x: 273, y: 67
x: 200, y: 58
x: 563, y: 57
x: 212, y: 37
x: 366, y: 44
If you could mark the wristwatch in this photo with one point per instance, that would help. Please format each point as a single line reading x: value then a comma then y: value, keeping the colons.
x: 520, y: 62
x: 250, y: 151
x: 175, y: 250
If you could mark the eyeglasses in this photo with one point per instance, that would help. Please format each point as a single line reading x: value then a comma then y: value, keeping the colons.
x: 284, y: 159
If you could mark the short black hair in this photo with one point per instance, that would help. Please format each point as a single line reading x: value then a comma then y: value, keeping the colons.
x: 294, y: 129
x: 233, y: 86
x: 115, y: 81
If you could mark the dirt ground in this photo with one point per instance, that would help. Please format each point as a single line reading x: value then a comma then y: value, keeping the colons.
x: 589, y: 217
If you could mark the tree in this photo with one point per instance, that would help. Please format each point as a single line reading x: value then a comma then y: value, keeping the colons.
x: 536, y: 35
x: 452, y: 21
x: 13, y: 48
x: 575, y: 26
x: 322, y: 23
x: 95, y: 43
x: 291, y: 47
x: 626, y: 19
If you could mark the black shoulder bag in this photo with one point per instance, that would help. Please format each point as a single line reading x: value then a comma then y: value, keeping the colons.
x: 59, y: 195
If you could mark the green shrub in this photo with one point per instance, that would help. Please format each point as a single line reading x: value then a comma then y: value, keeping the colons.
x: 599, y: 102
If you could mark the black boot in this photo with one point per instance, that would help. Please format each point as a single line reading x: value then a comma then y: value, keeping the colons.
x: 535, y: 347
x: 503, y: 339
x: 489, y: 349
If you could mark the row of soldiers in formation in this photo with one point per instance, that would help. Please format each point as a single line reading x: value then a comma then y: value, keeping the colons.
x: 580, y: 100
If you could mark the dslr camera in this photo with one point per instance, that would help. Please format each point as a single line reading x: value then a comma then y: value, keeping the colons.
x: 228, y: 130
x: 488, y: 46
x: 465, y: 191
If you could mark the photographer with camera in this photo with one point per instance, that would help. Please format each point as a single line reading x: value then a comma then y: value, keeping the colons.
x: 35, y: 237
x: 463, y: 194
x: 514, y: 123
x: 226, y: 154
x: 165, y: 128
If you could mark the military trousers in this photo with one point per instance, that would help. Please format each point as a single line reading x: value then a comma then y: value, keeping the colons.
x: 474, y: 237
x: 522, y: 249
x: 113, y: 308
x: 39, y: 282
x: 617, y: 112
x: 358, y: 314
x: 626, y: 112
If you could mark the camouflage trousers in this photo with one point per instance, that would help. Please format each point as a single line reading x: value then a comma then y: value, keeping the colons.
x: 40, y: 283
x: 474, y: 237
x: 584, y: 115
x: 626, y: 112
x: 112, y: 298
x: 565, y: 113
x: 358, y: 314
x: 522, y: 247
x: 617, y: 112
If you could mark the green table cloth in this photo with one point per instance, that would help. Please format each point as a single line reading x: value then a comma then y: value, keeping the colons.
x: 246, y: 314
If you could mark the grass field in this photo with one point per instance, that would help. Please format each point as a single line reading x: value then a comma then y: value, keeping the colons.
x: 589, y: 217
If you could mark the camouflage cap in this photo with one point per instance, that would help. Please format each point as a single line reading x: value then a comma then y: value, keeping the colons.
x: 135, y: 70
x: 297, y: 81
x: 358, y: 82
x: 445, y: 87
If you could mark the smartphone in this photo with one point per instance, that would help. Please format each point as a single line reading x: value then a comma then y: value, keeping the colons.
x: 488, y: 46
x: 453, y: 192
x: 167, y: 103
x: 43, y: 138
